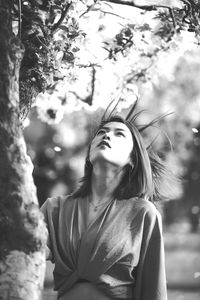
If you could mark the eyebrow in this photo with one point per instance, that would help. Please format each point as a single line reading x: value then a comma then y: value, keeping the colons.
x: 117, y: 129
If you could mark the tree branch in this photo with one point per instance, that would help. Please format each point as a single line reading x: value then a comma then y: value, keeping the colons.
x: 89, y: 8
x: 149, y: 4
x: 19, y: 18
x: 111, y: 13
x: 90, y: 65
x: 62, y: 17
x: 173, y: 17
x: 92, y: 85
x: 89, y: 98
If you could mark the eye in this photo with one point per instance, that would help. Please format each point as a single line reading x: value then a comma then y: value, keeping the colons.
x: 101, y: 131
x: 119, y: 133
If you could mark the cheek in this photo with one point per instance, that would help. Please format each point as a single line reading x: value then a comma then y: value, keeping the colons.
x: 126, y: 148
x: 91, y: 151
x: 129, y: 156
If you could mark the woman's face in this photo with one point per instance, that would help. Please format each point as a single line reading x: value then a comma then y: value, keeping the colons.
x: 113, y: 143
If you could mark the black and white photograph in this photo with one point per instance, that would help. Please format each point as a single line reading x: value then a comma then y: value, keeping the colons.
x: 99, y: 150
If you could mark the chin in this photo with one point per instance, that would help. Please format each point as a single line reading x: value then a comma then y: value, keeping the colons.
x: 101, y: 158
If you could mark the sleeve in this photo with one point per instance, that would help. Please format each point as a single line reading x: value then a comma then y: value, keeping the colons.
x: 44, y: 209
x: 150, y: 273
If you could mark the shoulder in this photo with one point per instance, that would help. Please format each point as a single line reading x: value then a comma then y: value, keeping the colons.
x: 145, y: 210
x: 55, y: 208
x: 54, y: 203
x: 152, y: 220
x: 148, y: 207
x: 144, y: 205
x: 148, y: 217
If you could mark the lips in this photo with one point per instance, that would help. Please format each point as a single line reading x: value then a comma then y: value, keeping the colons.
x: 104, y: 143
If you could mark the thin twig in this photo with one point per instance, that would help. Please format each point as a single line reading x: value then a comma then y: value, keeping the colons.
x: 43, y: 30
x: 89, y: 8
x: 19, y: 18
x: 77, y: 96
x: 42, y: 43
x: 173, y: 17
x: 91, y: 65
x: 131, y: 3
x: 62, y: 17
x: 111, y: 13
x: 144, y: 7
x: 90, y: 98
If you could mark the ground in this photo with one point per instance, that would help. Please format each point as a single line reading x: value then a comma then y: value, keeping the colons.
x: 182, y: 264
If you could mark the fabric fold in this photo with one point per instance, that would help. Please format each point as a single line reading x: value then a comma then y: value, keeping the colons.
x: 110, y: 252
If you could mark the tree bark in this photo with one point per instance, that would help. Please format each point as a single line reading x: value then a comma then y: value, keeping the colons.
x: 22, y: 230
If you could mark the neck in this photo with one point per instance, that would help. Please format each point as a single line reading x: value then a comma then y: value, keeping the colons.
x: 105, y: 179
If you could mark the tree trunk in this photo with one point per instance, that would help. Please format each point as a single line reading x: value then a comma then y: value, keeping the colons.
x: 22, y: 231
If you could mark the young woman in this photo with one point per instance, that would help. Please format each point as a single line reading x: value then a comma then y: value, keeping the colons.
x: 106, y: 238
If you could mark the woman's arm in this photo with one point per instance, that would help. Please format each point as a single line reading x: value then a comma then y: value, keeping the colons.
x: 44, y: 210
x: 150, y: 274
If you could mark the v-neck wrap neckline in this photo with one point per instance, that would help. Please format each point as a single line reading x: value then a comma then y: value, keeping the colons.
x: 100, y: 205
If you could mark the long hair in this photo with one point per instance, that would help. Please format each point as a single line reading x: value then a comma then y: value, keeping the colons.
x: 142, y: 178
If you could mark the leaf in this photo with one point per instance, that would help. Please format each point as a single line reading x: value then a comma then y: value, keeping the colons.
x: 40, y: 2
x: 68, y: 56
x: 31, y: 31
x: 56, y: 7
x: 144, y: 27
x: 63, y: 27
x: 75, y: 49
x: 58, y: 75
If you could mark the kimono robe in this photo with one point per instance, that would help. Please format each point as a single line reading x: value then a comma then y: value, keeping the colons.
x: 121, y: 251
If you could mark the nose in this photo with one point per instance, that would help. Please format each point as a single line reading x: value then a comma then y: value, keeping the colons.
x: 106, y: 136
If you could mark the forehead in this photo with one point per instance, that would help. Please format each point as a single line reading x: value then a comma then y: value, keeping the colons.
x: 116, y: 126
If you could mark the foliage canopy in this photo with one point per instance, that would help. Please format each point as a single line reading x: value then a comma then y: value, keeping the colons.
x: 70, y: 44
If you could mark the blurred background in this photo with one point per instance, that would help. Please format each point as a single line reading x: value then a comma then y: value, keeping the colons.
x: 58, y: 152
